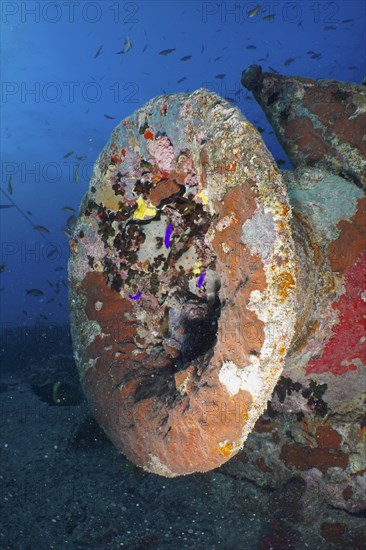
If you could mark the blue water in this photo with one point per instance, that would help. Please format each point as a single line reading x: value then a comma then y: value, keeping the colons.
x: 55, y: 93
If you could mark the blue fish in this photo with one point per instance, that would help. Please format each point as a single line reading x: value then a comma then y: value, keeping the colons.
x: 136, y: 296
x: 201, y: 279
x: 168, y: 233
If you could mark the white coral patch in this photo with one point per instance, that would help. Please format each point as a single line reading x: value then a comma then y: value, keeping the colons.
x: 225, y: 222
x: 157, y: 467
x: 259, y: 234
x: 247, y: 378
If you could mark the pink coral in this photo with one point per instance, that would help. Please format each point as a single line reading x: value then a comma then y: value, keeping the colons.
x: 161, y: 149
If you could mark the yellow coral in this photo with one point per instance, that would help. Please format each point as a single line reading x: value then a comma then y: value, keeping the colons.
x: 226, y: 448
x: 197, y: 269
x: 144, y: 210
x: 202, y: 195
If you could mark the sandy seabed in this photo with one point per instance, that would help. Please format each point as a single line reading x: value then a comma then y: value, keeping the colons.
x: 58, y: 491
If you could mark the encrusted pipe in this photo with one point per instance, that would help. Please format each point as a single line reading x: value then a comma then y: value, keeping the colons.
x: 190, y: 281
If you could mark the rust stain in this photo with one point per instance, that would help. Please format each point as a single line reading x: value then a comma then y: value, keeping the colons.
x: 344, y: 251
x: 363, y: 433
x: 262, y: 466
x: 347, y: 492
x: 163, y: 190
x: 327, y: 437
x: 303, y: 458
x: 333, y: 532
x: 262, y: 426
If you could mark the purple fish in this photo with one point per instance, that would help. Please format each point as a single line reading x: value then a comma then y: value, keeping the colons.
x: 136, y: 297
x: 168, y: 232
x: 201, y: 279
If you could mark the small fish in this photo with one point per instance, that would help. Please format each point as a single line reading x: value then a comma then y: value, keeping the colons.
x: 181, y: 79
x: 253, y: 12
x: 269, y: 17
x: 2, y: 268
x: 68, y: 209
x: 2, y: 206
x: 347, y: 21
x: 66, y: 232
x: 220, y: 76
x: 109, y: 117
x: 29, y: 213
x: 81, y: 158
x: 145, y: 48
x: 289, y: 61
x: 71, y: 222
x: 50, y: 300
x: 168, y: 234
x: 68, y: 155
x: 59, y: 268
x: 52, y: 252
x: 136, y: 296
x: 201, y: 279
x: 58, y: 394
x: 25, y: 313
x: 202, y: 48
x: 49, y: 282
x: 273, y: 70
x: 43, y: 317
x: 230, y: 100
x: 76, y: 174
x: 329, y: 28
x: 10, y: 185
x: 41, y: 228
x: 126, y: 46
x: 353, y: 67
x: 166, y: 52
x: 186, y: 58
x: 314, y: 55
x: 217, y: 58
x: 34, y: 292
x: 98, y: 52
x: 251, y: 47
